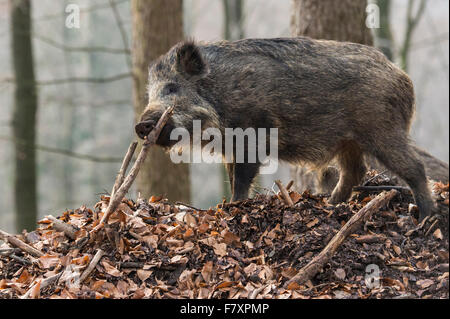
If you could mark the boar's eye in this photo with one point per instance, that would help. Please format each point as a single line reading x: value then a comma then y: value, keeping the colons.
x: 170, y: 88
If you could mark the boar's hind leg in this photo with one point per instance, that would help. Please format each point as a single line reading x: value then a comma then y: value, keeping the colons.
x: 351, y: 171
x: 243, y: 176
x: 400, y: 158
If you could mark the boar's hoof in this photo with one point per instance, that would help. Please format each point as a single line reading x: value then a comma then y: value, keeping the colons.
x: 339, y: 197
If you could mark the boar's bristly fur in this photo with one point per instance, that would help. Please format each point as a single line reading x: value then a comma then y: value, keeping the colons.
x: 329, y: 100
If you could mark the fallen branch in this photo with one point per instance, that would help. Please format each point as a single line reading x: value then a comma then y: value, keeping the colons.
x: 68, y: 230
x: 98, y: 255
x: 123, y: 188
x: 43, y: 284
x: 9, y: 252
x: 287, y: 199
x: 380, y: 188
x: 318, y: 262
x: 16, y: 242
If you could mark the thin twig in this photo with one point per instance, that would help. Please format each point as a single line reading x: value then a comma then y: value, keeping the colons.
x: 98, y: 255
x: 374, y: 177
x: 123, y: 168
x: 122, y: 31
x: 289, y: 185
x: 123, y: 189
x: 287, y: 199
x: 189, y: 206
x: 68, y: 230
x: 380, y: 188
x: 54, y: 150
x: 64, y: 47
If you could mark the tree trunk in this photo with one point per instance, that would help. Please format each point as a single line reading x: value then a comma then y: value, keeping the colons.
x: 383, y: 33
x: 233, y: 29
x: 68, y: 119
x: 24, y: 116
x: 342, y: 20
x: 233, y: 19
x: 157, y: 26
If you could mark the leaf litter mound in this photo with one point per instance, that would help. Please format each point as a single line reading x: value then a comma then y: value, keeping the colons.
x: 245, y: 249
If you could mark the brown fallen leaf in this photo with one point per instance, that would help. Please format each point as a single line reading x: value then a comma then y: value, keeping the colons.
x: 143, y: 275
x: 48, y: 261
x: 289, y: 272
x: 203, y: 228
x: 225, y: 284
x: 424, y: 283
x: 229, y: 238
x: 220, y: 249
x: 294, y: 286
x: 438, y: 234
x: 36, y: 290
x: 110, y: 269
x: 312, y: 223
x: 397, y: 249
x: 207, y: 271
x: 24, y: 277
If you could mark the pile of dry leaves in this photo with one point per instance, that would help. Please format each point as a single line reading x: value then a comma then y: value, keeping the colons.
x: 246, y: 249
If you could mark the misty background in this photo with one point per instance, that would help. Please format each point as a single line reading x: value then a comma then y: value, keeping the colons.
x: 85, y: 126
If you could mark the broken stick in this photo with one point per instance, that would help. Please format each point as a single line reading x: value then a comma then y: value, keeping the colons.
x: 16, y: 242
x: 42, y: 284
x: 123, y: 168
x: 68, y: 230
x: 98, y: 255
x: 287, y: 199
x: 121, y: 188
x: 318, y: 262
x: 380, y: 188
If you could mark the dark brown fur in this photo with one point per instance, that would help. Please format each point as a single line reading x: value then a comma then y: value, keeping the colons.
x: 329, y: 100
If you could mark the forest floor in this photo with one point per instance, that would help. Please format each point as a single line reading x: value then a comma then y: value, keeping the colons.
x: 246, y: 249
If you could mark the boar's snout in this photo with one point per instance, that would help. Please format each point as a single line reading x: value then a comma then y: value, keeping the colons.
x: 144, y: 128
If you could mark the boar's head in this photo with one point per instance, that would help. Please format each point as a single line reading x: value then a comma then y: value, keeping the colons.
x: 174, y: 79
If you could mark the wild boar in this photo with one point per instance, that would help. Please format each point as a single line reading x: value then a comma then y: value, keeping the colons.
x: 329, y: 101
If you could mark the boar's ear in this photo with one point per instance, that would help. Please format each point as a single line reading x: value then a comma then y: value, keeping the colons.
x: 190, y: 62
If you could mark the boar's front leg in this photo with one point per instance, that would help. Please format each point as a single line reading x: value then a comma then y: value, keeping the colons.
x: 243, y: 176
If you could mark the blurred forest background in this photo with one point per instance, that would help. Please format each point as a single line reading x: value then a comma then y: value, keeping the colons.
x: 85, y: 113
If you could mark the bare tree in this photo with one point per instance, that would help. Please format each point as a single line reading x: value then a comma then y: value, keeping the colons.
x: 233, y: 29
x: 233, y: 19
x: 412, y: 20
x: 24, y: 116
x: 157, y: 26
x: 383, y: 33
